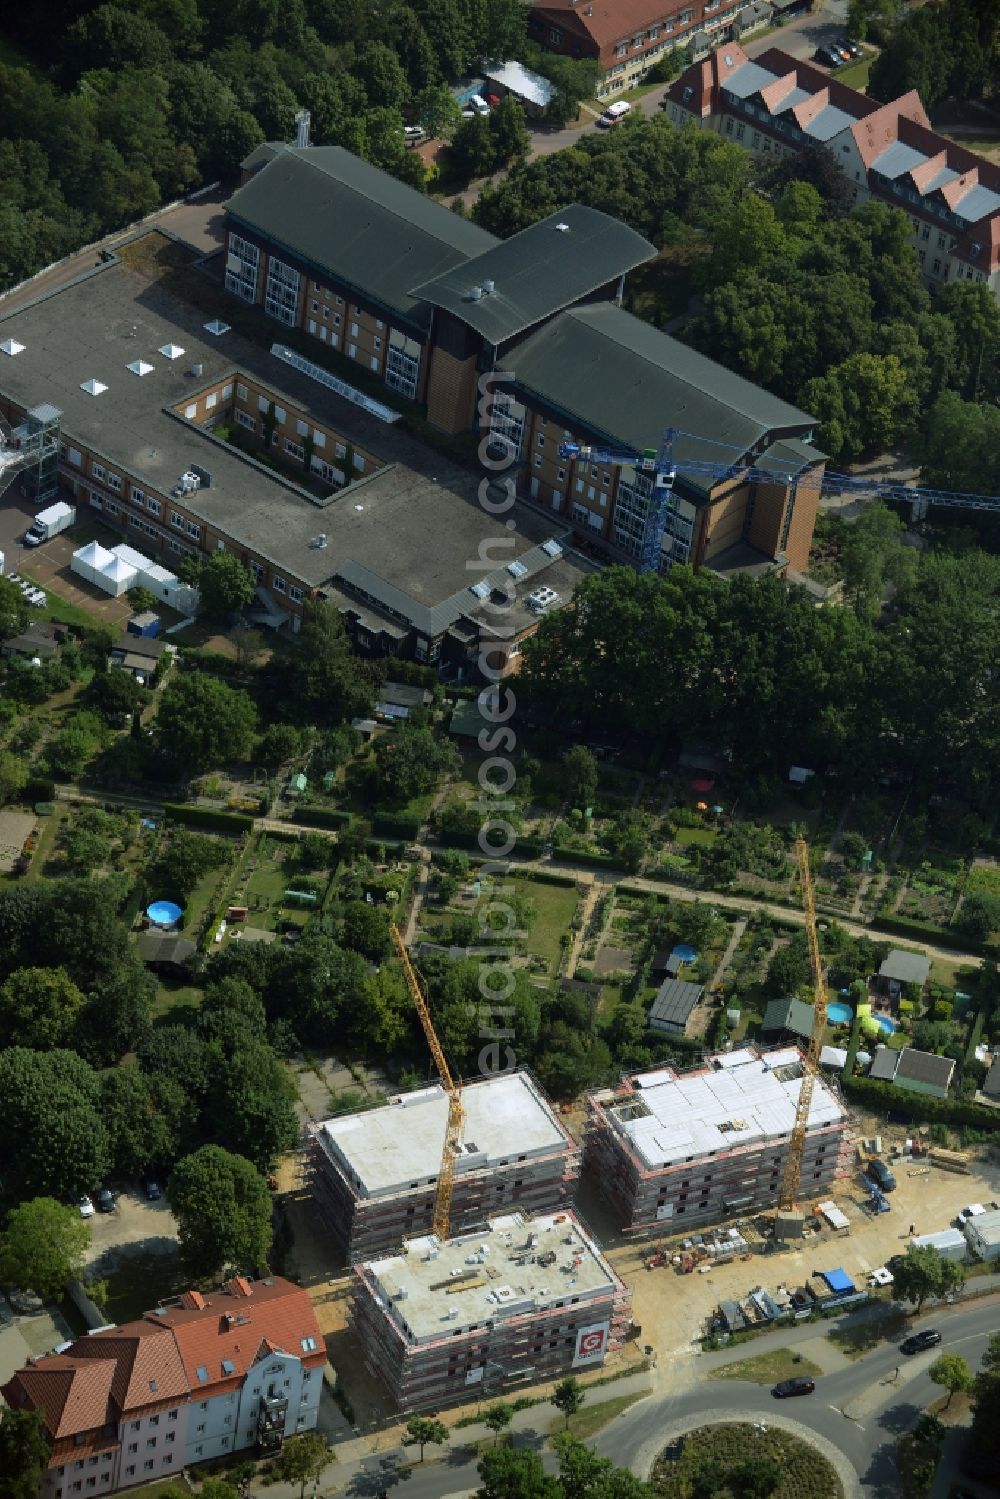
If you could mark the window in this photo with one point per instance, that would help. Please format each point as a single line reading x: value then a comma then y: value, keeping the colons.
x: 243, y: 419
x: 194, y: 530
x: 242, y: 268
x: 295, y: 594
x: 538, y: 460
x: 137, y: 522
x: 319, y: 438
x: 314, y: 307
x: 302, y: 428
x: 354, y: 330
x: 211, y: 400
x: 75, y: 457
x: 281, y: 298
x: 294, y: 449
x: 136, y: 496
x: 133, y: 1446
x: 374, y: 363
x: 241, y: 392
x: 352, y: 350
x: 191, y: 411
x: 112, y: 509
x: 378, y: 344
x: 115, y: 483
x: 97, y: 469
x: 153, y: 506
x: 280, y: 586
x: 227, y: 392
x: 937, y: 267
x: 359, y: 463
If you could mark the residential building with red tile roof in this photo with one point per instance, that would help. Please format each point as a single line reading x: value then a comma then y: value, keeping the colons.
x: 628, y: 37
x: 203, y: 1376
x: 778, y: 105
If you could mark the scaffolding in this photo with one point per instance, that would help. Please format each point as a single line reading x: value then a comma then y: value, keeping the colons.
x: 31, y: 449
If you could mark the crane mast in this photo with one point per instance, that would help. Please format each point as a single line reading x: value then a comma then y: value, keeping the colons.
x: 456, y: 1113
x: 793, y: 1161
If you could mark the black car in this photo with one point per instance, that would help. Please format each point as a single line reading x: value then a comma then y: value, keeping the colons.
x: 151, y: 1189
x: 786, y: 1387
x: 846, y: 45
x: 921, y: 1340
x: 104, y: 1200
x: 878, y: 1172
x: 827, y: 57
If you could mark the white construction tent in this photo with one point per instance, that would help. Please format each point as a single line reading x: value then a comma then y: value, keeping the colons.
x: 122, y: 568
x: 89, y: 561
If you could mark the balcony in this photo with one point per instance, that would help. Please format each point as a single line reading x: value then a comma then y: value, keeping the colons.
x: 271, y: 1415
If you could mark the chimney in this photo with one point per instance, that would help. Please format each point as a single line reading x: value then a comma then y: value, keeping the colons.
x: 303, y: 120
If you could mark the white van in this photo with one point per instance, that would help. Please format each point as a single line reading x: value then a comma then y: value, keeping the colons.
x: 614, y: 113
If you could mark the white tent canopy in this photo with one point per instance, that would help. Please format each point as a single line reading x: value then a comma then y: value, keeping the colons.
x: 116, y: 577
x: 89, y: 560
x: 165, y: 585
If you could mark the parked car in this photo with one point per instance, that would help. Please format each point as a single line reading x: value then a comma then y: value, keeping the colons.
x: 413, y: 134
x: 921, y: 1341
x: 86, y: 1207
x: 151, y: 1189
x: 879, y: 1173
x: 851, y: 48
x: 105, y: 1200
x: 614, y: 113
x: 477, y: 105
x: 786, y: 1387
x: 827, y: 57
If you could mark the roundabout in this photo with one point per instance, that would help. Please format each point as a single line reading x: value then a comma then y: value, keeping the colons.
x: 770, y: 1457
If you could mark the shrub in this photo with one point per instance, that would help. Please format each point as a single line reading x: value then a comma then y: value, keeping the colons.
x: 321, y: 817
x: 208, y: 817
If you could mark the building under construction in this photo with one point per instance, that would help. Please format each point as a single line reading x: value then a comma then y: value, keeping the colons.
x: 375, y: 1174
x: 524, y: 1300
x: 675, y: 1151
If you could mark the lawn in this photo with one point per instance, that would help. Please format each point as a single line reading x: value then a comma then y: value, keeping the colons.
x: 855, y: 75
x: 178, y: 1485
x: 171, y: 996
x: 593, y: 1418
x: 768, y: 1368
x: 59, y: 609
x: 140, y: 1281
x: 704, y: 836
x: 555, y: 906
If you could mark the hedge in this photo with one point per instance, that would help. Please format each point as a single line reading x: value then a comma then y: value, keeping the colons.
x: 524, y: 848
x: 549, y: 877
x: 39, y: 789
x: 919, y: 1107
x: 208, y: 817
x: 926, y: 931
x: 321, y: 817
x: 587, y: 856
x: 396, y: 824
x: 975, y: 1036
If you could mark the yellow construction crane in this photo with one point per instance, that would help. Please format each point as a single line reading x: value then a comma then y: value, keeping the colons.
x: 793, y: 1161
x: 456, y: 1114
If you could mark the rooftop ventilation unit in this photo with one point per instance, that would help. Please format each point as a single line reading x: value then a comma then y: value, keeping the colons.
x: 320, y: 541
x: 489, y: 287
x: 542, y: 599
x: 197, y: 369
x: 562, y: 228
x: 216, y: 327
x: 140, y: 367
x: 171, y: 351
x: 480, y: 589
x: 187, y: 483
x: 93, y: 387
x: 11, y: 346
x: 516, y: 569
x: 551, y: 548
x: 475, y: 294
x: 202, y: 475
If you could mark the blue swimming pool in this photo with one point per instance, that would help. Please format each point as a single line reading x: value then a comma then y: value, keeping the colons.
x: 886, y: 1024
x: 839, y: 1014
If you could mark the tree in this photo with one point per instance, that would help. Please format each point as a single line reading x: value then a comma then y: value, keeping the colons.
x: 584, y: 1475
x: 864, y: 404
x: 789, y: 970
x: 366, y: 929
x: 279, y: 743
x: 438, y: 111
x: 411, y: 761
x: 922, y: 1273
x: 323, y: 683
x: 116, y: 695
x: 952, y: 1372
x: 24, y: 1453
x: 874, y: 553
x: 568, y: 1397
x: 223, y: 1212
x: 979, y: 915
x: 985, y: 1439
x: 13, y: 610
x: 579, y: 777
x: 184, y: 860
x: 146, y: 1117
x: 43, y: 1246
x: 498, y: 1418
x: 422, y: 1429
x: 56, y: 1141
x: 473, y: 149
x: 301, y: 1458
x: 13, y: 776
x: 255, y: 1114
x: 231, y: 1009
x: 511, y: 140
x: 509, y: 1473
x: 202, y: 723
x: 249, y: 645
x: 39, y: 1007
x: 225, y: 586
x: 76, y: 743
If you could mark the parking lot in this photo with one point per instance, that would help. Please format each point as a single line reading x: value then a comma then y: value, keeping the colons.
x: 48, y: 564
x: 134, y: 1225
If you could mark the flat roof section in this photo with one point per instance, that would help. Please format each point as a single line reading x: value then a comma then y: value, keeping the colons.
x: 548, y: 266
x: 365, y: 228
x: 399, y: 1147
x: 675, y: 1118
x: 518, y: 1266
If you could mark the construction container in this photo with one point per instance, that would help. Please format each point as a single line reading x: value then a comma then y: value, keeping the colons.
x: 146, y: 624
x: 982, y: 1234
x: 949, y: 1243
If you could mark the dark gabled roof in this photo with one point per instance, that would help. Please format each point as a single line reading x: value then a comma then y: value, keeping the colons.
x: 924, y: 1067
x: 261, y: 155
x: 675, y: 999
x: 906, y: 967
x: 548, y: 266
x: 789, y: 1015
x: 344, y: 216
x: 885, y: 1064
x: 623, y: 380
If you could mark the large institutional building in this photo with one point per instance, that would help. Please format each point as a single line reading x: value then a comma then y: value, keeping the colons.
x: 672, y: 1152
x: 375, y: 1174
x: 778, y: 105
x: 202, y: 1377
x: 328, y: 493
x: 521, y: 1301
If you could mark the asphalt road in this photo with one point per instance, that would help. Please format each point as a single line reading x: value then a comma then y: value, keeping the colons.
x: 856, y: 1413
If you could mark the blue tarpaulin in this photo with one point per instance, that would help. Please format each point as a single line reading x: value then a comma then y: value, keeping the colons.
x: 838, y: 1280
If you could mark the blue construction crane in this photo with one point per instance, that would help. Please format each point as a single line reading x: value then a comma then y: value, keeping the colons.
x: 663, y: 467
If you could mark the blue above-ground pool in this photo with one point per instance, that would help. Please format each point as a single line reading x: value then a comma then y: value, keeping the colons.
x: 887, y: 1024
x: 839, y: 1014
x: 164, y: 913
x: 684, y: 953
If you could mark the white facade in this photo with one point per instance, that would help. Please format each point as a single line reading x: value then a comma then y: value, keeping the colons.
x: 225, y: 1423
